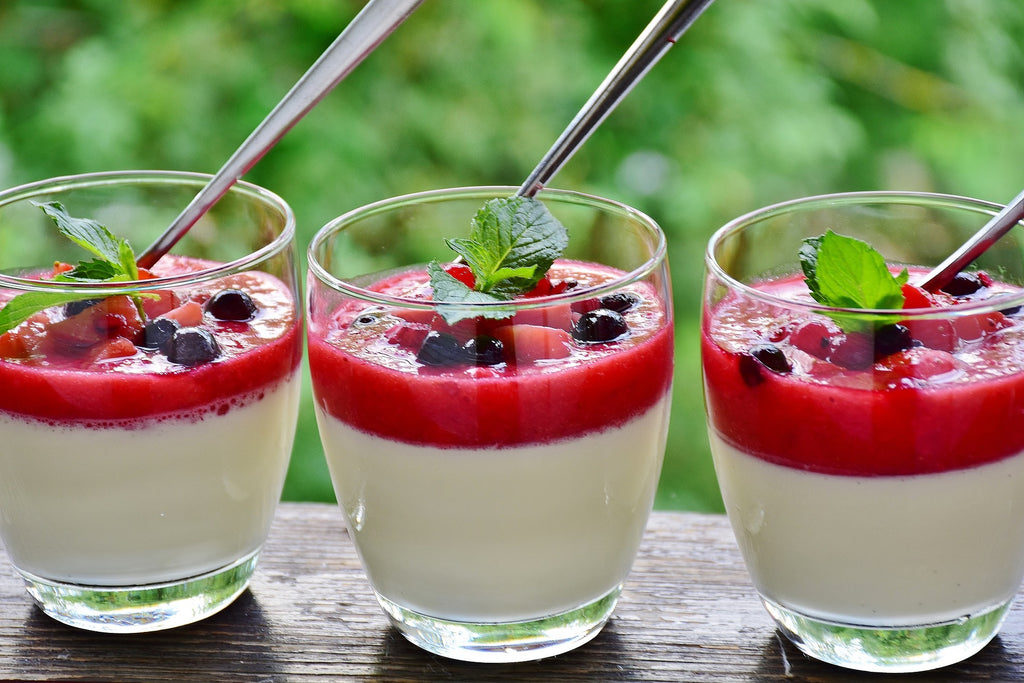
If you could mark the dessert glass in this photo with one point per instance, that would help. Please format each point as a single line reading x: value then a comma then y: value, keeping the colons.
x: 877, y: 502
x: 135, y: 493
x: 496, y: 508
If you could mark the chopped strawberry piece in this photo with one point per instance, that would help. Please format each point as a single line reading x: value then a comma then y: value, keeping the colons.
x: 407, y: 335
x: 917, y: 297
x: 935, y: 334
x: 13, y: 345
x: 920, y: 363
x: 533, y: 342
x: 116, y: 316
x: 61, y: 267
x: 189, y: 314
x: 548, y: 287
x: 559, y: 316
x: 586, y: 306
x: 415, y: 315
x: 75, y: 333
x: 118, y: 347
x: 462, y: 273
x: 466, y: 329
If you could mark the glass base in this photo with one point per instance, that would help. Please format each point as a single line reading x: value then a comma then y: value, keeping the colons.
x: 517, y: 641
x: 137, y: 609
x: 902, y: 649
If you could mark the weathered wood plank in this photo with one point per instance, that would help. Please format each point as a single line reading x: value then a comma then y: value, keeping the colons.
x: 688, y: 614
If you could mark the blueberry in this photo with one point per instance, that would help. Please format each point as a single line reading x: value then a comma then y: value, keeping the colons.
x: 192, y: 346
x: 892, y: 339
x: 75, y: 307
x: 484, y: 350
x: 620, y: 302
x: 158, y: 332
x: 768, y: 356
x: 231, y: 304
x: 599, y: 325
x: 440, y: 349
x: 963, y: 284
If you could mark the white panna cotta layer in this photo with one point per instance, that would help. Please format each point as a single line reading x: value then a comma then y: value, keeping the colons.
x: 160, y: 502
x: 884, y: 551
x: 499, y: 534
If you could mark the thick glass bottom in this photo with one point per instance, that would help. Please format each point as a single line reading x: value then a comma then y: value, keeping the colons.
x: 517, y: 641
x: 901, y: 649
x: 137, y: 609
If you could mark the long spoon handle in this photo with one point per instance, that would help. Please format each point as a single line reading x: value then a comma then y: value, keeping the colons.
x: 989, y: 233
x: 364, y: 33
x: 667, y: 26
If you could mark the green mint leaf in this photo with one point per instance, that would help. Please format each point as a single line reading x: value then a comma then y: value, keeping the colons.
x: 452, y: 290
x: 512, y: 243
x: 845, y: 272
x: 86, y: 233
x: 115, y: 262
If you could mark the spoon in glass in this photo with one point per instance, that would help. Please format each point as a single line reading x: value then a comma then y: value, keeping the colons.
x: 974, y: 247
x: 365, y: 32
x: 661, y: 33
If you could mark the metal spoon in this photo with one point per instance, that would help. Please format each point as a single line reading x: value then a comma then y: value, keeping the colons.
x: 671, y: 22
x: 365, y: 32
x: 974, y: 247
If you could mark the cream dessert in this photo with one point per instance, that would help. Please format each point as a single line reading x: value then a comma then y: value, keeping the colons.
x: 146, y: 446
x: 872, y: 476
x: 502, y: 470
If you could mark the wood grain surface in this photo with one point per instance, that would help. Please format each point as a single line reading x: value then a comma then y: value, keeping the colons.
x: 688, y: 613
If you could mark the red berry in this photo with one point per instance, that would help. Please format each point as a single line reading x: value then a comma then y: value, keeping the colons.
x: 462, y: 273
x: 816, y: 337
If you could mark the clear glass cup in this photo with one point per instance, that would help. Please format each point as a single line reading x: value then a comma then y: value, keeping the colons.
x: 496, y: 504
x: 139, y: 473
x: 872, y: 470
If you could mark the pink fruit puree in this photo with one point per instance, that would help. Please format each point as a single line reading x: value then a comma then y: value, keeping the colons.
x: 255, y: 356
x: 376, y: 385
x: 917, y: 411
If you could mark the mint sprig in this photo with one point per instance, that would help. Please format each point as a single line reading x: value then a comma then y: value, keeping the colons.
x: 114, y: 261
x: 845, y: 272
x: 511, y: 245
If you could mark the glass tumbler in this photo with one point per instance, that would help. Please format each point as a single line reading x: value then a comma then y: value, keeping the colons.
x: 146, y: 421
x: 496, y: 473
x: 871, y: 461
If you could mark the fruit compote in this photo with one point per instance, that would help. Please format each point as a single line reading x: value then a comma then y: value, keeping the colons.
x: 869, y: 475
x: 146, y: 440
x: 496, y: 470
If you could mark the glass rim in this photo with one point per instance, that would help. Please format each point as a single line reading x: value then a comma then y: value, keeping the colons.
x: 838, y: 199
x: 483, y: 193
x: 82, y: 181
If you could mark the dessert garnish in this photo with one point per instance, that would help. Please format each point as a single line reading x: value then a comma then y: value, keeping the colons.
x: 512, y: 243
x: 844, y: 272
x: 114, y: 261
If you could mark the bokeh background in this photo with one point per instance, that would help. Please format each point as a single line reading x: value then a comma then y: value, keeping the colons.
x: 760, y: 102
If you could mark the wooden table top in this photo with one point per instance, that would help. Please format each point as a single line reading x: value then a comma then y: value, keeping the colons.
x: 688, y: 613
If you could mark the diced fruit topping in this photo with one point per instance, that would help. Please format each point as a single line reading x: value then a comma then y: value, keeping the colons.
x: 600, y: 325
x: 891, y: 339
x: 855, y: 351
x: 921, y: 363
x: 462, y: 273
x: 231, y: 304
x: 620, y: 302
x: 766, y: 356
x: 963, y: 284
x: 484, y: 350
x: 192, y: 346
x: 189, y: 314
x: 816, y: 337
x: 407, y: 335
x: 440, y: 349
x: 157, y: 333
x: 527, y: 343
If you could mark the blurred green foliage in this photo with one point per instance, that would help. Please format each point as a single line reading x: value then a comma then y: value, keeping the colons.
x: 760, y: 102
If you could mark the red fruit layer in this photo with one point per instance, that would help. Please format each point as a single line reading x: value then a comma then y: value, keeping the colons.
x: 596, y: 388
x: 112, y: 392
x: 918, y: 411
